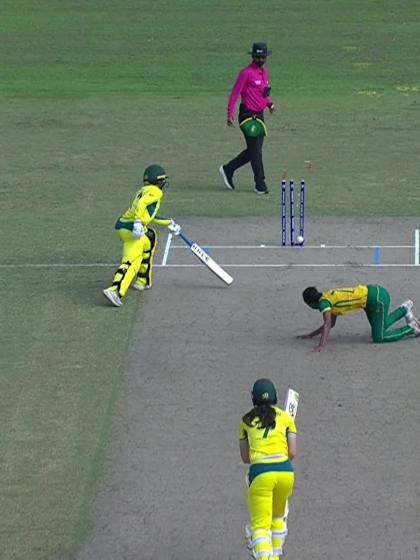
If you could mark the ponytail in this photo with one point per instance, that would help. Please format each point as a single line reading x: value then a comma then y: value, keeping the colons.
x: 264, y: 412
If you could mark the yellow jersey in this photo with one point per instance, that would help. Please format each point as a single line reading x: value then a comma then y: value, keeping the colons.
x: 344, y: 300
x: 268, y: 445
x: 144, y: 208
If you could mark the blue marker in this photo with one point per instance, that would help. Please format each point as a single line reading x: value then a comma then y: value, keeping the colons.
x: 376, y: 256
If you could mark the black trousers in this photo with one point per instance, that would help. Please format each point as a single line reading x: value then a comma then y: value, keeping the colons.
x: 252, y: 153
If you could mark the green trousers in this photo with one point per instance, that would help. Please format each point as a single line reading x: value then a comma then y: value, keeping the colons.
x: 377, y: 308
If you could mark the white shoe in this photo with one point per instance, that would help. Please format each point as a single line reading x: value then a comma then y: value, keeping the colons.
x: 113, y: 297
x: 408, y: 306
x: 415, y: 325
x: 228, y: 181
x: 248, y: 537
x: 140, y: 287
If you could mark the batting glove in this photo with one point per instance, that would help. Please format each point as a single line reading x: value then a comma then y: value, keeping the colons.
x: 138, y: 230
x: 174, y: 228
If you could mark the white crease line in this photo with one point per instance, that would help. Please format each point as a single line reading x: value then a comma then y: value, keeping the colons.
x: 297, y: 247
x: 297, y: 265
x: 167, y: 247
x: 62, y: 265
x: 249, y: 265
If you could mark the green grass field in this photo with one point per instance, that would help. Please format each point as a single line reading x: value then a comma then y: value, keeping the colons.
x: 91, y: 93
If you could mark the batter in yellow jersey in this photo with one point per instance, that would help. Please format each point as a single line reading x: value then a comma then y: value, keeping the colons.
x: 139, y: 239
x: 373, y: 299
x: 267, y: 441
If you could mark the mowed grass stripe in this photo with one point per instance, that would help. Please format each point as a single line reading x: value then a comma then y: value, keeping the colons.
x: 60, y: 362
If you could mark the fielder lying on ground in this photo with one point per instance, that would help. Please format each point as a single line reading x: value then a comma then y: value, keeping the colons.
x: 373, y: 299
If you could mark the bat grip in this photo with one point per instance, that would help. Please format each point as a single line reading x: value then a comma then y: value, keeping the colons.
x: 185, y: 238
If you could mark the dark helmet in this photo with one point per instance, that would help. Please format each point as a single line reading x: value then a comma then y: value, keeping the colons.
x: 155, y: 175
x: 264, y: 392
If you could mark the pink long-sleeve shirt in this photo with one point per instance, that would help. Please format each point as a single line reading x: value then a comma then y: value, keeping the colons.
x: 250, y: 85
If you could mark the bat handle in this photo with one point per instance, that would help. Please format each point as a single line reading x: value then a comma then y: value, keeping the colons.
x: 185, y: 238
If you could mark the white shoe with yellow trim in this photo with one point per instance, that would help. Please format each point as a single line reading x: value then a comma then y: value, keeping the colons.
x: 112, y: 296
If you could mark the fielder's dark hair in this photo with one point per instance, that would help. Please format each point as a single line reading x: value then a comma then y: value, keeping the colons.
x: 311, y: 295
x: 264, y: 412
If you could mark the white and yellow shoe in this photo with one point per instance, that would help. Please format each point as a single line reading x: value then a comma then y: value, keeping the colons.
x: 112, y: 296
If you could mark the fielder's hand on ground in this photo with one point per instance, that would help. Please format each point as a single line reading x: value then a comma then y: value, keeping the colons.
x: 272, y: 109
x: 174, y: 228
x: 231, y: 123
x: 138, y: 230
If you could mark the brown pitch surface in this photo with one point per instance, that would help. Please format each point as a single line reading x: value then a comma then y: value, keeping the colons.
x: 174, y: 483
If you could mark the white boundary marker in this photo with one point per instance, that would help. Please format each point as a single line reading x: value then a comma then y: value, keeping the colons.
x: 167, y: 247
x: 416, y: 247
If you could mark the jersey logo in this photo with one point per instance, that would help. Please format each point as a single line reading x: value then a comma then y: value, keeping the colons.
x: 257, y: 82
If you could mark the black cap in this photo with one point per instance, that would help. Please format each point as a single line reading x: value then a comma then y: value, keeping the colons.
x: 259, y: 49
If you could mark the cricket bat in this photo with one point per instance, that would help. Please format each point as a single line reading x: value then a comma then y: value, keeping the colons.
x: 291, y: 403
x: 290, y: 406
x: 207, y: 260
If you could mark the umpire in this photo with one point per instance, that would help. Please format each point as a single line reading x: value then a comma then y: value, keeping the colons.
x: 253, y: 86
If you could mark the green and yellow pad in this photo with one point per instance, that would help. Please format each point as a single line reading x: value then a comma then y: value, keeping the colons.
x: 253, y: 127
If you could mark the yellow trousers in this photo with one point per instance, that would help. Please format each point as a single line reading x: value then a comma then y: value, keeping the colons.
x: 137, y: 260
x: 267, y: 497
